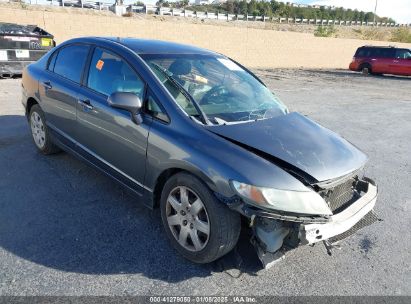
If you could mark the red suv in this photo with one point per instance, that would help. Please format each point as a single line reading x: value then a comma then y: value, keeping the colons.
x: 382, y: 60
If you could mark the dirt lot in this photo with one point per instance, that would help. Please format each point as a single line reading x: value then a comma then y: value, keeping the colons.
x: 65, y: 229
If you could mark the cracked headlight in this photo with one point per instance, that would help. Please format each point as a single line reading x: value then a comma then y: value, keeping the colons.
x: 303, y: 202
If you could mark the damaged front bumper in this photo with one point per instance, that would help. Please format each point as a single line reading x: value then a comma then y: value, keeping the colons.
x: 342, y: 222
x: 274, y: 233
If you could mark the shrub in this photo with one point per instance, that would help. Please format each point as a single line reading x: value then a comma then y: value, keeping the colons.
x: 372, y: 33
x: 324, y: 31
x: 401, y: 35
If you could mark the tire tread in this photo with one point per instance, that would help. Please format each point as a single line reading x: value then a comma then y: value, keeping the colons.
x: 49, y: 147
x: 229, y: 222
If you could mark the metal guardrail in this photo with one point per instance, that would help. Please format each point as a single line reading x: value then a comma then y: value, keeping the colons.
x: 86, y: 4
x: 99, y: 5
x: 231, y: 17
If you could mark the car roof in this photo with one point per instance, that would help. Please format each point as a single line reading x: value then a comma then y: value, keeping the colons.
x: 149, y: 46
x: 380, y: 47
x: 383, y: 47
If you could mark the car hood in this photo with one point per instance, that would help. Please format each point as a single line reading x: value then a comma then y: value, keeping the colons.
x: 294, y: 141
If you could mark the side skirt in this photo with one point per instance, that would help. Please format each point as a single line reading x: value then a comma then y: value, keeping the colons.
x: 134, y: 189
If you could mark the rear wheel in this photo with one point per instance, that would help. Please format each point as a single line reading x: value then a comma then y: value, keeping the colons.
x: 200, y: 228
x: 40, y: 132
x: 366, y: 69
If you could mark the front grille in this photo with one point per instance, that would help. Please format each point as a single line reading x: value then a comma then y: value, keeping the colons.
x: 341, y: 196
x: 370, y: 218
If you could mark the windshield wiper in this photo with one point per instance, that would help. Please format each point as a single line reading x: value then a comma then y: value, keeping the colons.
x: 169, y: 76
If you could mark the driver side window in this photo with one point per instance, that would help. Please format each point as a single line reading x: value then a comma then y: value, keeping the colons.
x: 403, y: 54
x: 108, y: 73
x: 180, y: 98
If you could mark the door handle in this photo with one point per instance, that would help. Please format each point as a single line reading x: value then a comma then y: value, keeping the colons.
x: 47, y: 85
x: 85, y: 103
x: 396, y: 61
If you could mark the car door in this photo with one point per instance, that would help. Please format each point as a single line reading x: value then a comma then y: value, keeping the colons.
x: 381, y: 59
x: 59, y: 85
x: 402, y: 62
x: 109, y: 134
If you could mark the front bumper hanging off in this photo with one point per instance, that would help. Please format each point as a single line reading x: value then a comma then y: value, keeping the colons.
x: 271, y: 232
x: 341, y: 223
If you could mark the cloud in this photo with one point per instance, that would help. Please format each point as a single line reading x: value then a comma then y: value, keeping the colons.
x: 400, y: 10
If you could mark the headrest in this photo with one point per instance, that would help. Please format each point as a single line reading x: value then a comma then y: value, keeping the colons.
x: 180, y: 67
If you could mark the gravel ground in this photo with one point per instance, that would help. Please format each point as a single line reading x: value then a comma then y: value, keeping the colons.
x: 66, y: 229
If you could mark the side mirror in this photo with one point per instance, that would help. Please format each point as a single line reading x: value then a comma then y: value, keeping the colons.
x: 127, y: 101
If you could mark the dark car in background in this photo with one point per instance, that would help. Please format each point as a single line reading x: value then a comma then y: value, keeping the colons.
x: 380, y: 60
x: 196, y: 134
x: 21, y: 45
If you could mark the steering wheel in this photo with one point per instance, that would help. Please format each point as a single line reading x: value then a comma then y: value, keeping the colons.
x: 217, y: 91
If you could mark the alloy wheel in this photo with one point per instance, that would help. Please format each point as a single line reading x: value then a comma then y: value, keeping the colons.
x: 37, y: 129
x: 187, y: 219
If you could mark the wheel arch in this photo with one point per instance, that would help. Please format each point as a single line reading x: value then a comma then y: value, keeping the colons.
x: 31, y: 101
x: 365, y: 64
x: 169, y: 172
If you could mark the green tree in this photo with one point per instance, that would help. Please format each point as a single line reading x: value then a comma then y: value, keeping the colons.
x: 229, y: 6
x: 369, y: 17
x: 275, y: 5
x: 243, y: 7
x: 266, y: 10
x: 252, y: 7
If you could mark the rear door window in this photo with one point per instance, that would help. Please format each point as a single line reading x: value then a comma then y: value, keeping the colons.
x: 52, y: 61
x: 376, y: 53
x: 108, y: 73
x: 379, y: 53
x: 70, y: 61
x: 387, y: 53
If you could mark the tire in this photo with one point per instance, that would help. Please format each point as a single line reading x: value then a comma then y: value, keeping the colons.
x: 224, y: 225
x: 366, y: 69
x: 40, y: 133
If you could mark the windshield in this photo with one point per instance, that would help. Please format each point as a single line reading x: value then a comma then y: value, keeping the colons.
x: 214, y: 88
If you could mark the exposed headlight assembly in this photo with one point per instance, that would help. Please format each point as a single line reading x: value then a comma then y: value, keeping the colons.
x: 303, y: 202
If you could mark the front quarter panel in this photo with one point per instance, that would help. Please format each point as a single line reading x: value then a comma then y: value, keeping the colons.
x: 189, y: 146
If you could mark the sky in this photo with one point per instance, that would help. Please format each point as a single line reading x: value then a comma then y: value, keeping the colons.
x: 399, y: 10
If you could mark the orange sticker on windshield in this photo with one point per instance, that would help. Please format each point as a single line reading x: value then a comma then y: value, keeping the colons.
x: 99, y: 65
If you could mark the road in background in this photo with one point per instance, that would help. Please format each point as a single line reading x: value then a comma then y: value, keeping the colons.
x: 66, y: 229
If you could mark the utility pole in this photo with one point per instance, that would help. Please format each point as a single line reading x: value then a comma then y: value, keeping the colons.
x: 375, y: 11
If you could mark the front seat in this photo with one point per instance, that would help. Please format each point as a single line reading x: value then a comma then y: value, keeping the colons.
x: 180, y: 67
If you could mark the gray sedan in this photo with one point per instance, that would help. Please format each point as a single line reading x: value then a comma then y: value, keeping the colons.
x: 196, y: 134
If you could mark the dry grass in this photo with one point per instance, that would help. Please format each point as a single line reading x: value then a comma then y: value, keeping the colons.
x: 380, y: 34
x: 401, y: 35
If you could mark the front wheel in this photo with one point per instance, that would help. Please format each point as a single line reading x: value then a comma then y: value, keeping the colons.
x: 200, y: 228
